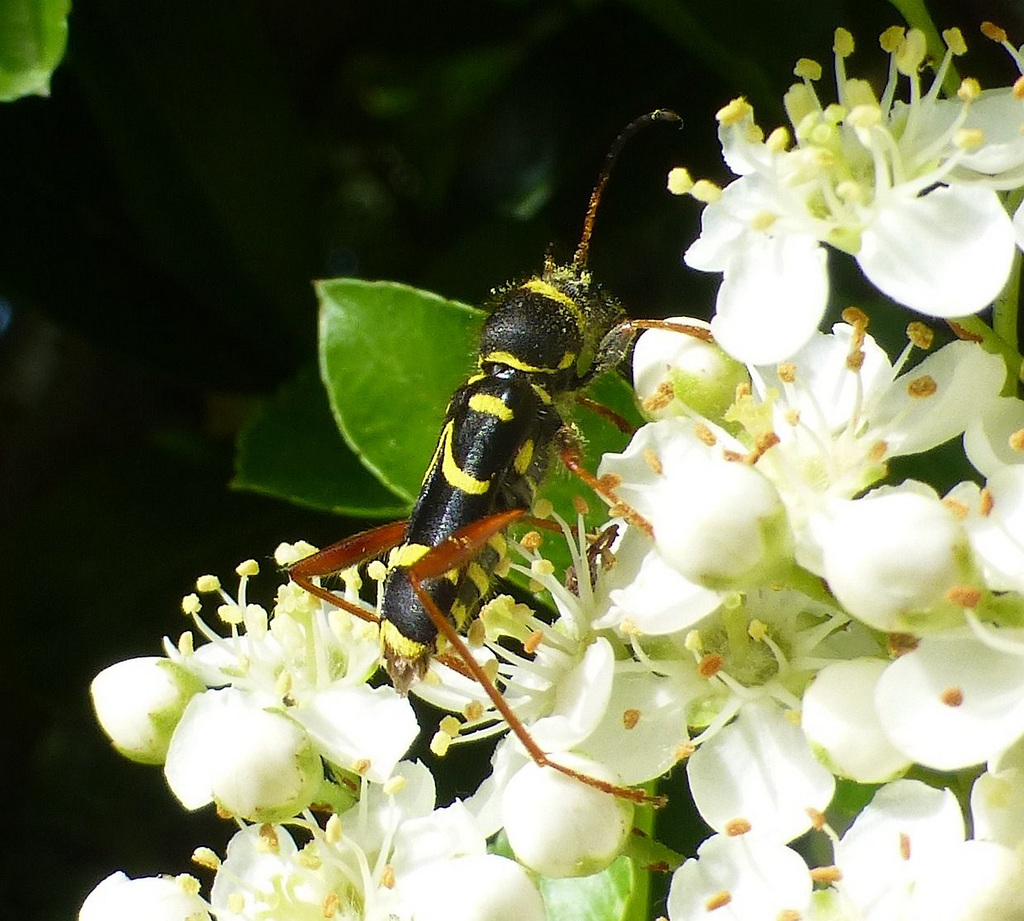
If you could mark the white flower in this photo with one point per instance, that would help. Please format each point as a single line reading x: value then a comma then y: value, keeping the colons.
x: 897, y: 186
x: 893, y: 558
x: 155, y: 898
x: 392, y: 857
x: 821, y: 427
x: 138, y: 702
x: 559, y: 827
x: 742, y: 878
x: 258, y: 764
x: 842, y: 723
x: 759, y: 774
x: 952, y: 701
x: 281, y: 693
x: 718, y: 522
x: 906, y: 856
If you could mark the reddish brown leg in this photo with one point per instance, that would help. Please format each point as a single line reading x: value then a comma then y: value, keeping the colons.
x: 569, y: 452
x: 345, y: 553
x: 456, y: 551
x: 620, y: 422
x: 697, y: 332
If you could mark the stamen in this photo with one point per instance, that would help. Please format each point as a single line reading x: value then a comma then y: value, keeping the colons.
x: 952, y: 697
x: 679, y: 181
x: 705, y: 191
x: 964, y: 596
x: 207, y: 584
x: 736, y: 827
x: 826, y: 875
x: 923, y: 386
x: 718, y: 900
x: 920, y: 334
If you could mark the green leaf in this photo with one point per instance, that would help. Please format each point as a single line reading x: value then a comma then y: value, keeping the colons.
x: 391, y: 356
x: 33, y: 35
x: 601, y: 897
x: 290, y: 448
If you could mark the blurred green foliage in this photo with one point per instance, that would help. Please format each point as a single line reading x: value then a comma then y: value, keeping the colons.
x: 163, y: 214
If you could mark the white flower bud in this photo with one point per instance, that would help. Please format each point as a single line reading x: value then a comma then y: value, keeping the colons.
x: 667, y: 363
x: 155, y: 898
x: 562, y: 827
x: 479, y: 887
x: 890, y: 555
x: 840, y: 720
x: 257, y: 764
x: 725, y: 528
x: 138, y: 702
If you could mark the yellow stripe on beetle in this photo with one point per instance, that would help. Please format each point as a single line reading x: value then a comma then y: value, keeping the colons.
x: 507, y: 358
x: 391, y: 638
x: 491, y: 406
x: 548, y: 290
x: 454, y: 474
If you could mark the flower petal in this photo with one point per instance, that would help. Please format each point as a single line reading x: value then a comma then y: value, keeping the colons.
x: 945, y: 253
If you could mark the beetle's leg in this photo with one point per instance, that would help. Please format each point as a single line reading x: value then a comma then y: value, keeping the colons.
x: 454, y: 553
x: 340, y: 556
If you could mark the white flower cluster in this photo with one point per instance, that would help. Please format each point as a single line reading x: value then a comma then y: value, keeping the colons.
x: 908, y: 189
x: 769, y: 604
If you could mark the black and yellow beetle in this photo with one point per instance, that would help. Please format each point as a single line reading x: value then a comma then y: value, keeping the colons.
x: 543, y: 342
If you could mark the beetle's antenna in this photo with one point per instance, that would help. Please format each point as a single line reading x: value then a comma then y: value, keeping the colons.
x: 579, y: 261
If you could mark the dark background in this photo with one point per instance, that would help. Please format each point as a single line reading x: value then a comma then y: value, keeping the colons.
x: 161, y: 217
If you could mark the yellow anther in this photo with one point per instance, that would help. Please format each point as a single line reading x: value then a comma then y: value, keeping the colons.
x: 969, y: 138
x: 450, y: 726
x: 786, y: 372
x: 763, y: 220
x: 923, y: 386
x: 842, y: 42
x: 679, y: 180
x: 911, y: 53
x: 862, y: 116
x: 206, y: 584
x: 860, y: 93
x: 230, y: 614
x: 852, y: 192
x: 206, y: 857
x: 799, y: 103
x: 992, y: 31
x: 376, y: 570
x: 823, y: 134
x: 440, y: 743
x: 186, y: 643
x: 856, y: 317
x: 734, y: 111
x: 826, y: 875
x: 757, y: 629
x: 248, y: 568
x: 1018, y: 88
x: 190, y: 604
x: 920, y: 334
x: 704, y: 190
x: 892, y: 38
x: 807, y: 69
x: 834, y: 113
x: 187, y: 883
x: 718, y: 900
x: 333, y: 830
x: 954, y: 40
x: 778, y: 141
x: 969, y: 90
x: 395, y: 785
x: 1016, y: 440
x: 543, y: 508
